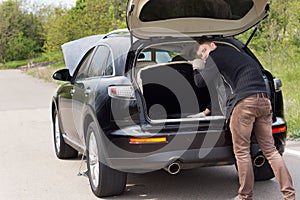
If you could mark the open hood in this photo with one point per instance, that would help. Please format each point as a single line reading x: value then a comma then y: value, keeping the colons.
x: 75, y: 50
x: 157, y: 18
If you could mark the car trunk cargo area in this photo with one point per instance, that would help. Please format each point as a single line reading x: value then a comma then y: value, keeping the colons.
x: 169, y: 91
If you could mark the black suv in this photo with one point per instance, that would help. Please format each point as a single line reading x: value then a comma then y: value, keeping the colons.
x: 128, y: 94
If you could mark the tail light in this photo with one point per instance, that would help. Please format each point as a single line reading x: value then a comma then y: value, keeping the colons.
x: 121, y: 92
x: 154, y: 140
x: 280, y: 129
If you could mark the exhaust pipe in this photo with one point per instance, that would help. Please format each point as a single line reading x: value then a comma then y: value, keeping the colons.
x: 173, y: 168
x: 259, y: 161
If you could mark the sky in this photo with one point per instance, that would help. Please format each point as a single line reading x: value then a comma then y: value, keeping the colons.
x: 67, y: 3
x: 54, y: 2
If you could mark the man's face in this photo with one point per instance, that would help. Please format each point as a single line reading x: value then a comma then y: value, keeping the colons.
x: 204, y: 50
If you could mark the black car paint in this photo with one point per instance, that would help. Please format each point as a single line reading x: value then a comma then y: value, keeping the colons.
x: 118, y: 131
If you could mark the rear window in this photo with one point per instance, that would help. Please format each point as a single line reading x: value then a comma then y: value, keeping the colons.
x: 161, y: 56
x: 155, y: 10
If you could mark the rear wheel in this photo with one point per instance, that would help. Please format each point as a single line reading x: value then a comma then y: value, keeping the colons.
x: 62, y: 149
x: 104, y: 180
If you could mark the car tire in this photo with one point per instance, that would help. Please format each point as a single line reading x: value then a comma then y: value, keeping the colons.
x: 62, y: 149
x: 104, y: 181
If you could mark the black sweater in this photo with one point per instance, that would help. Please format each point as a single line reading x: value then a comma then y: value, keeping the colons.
x: 242, y: 74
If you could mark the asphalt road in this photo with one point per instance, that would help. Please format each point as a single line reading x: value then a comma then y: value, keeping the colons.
x: 29, y: 169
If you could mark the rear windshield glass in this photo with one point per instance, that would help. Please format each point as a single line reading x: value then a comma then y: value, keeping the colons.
x: 161, y: 56
x: 155, y: 10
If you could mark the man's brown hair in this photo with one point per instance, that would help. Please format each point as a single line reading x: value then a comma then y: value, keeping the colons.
x: 202, y: 40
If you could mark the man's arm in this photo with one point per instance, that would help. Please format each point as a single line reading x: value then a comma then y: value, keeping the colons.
x: 206, y: 75
x: 198, y: 79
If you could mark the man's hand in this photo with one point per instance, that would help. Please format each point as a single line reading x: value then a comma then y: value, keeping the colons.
x: 198, y: 64
x: 198, y: 115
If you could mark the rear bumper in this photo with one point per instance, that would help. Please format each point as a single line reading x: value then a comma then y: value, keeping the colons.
x: 188, y: 159
x: 188, y: 147
x: 191, y: 144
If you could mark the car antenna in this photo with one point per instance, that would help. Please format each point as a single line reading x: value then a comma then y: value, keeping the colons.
x: 251, y: 36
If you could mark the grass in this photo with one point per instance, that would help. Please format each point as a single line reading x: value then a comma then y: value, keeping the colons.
x: 38, y: 59
x: 287, y: 68
x: 46, y: 72
x: 13, y: 64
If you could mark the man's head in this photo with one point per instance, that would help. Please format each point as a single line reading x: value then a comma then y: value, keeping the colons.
x: 204, y: 47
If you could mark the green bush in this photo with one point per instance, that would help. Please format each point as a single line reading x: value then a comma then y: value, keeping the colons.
x: 20, y: 48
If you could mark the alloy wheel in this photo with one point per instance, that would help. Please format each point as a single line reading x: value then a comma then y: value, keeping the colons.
x: 57, y: 134
x: 93, y: 160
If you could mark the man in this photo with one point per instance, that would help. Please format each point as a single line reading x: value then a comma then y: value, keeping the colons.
x: 248, y: 107
x: 198, y: 64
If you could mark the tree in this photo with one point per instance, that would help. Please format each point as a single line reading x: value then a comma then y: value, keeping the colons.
x: 20, y: 47
x: 88, y: 17
x: 278, y: 37
x: 55, y: 29
x: 8, y: 25
x: 20, y: 34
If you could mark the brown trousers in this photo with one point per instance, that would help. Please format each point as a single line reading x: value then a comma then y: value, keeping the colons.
x: 255, y: 113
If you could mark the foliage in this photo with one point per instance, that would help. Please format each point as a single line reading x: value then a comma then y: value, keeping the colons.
x: 55, y: 30
x: 279, y: 35
x: 88, y: 17
x: 289, y: 75
x: 20, y: 33
x: 20, y: 47
x: 8, y: 16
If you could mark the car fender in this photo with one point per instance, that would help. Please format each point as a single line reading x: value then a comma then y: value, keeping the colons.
x: 88, y: 116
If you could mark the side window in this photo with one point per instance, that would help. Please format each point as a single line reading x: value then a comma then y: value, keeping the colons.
x: 99, y: 61
x: 109, y: 70
x: 83, y: 66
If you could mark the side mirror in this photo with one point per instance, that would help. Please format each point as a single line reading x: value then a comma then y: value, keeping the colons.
x: 277, y: 84
x: 62, y: 75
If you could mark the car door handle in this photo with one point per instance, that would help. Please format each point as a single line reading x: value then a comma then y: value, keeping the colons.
x: 72, y: 91
x: 87, y: 92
